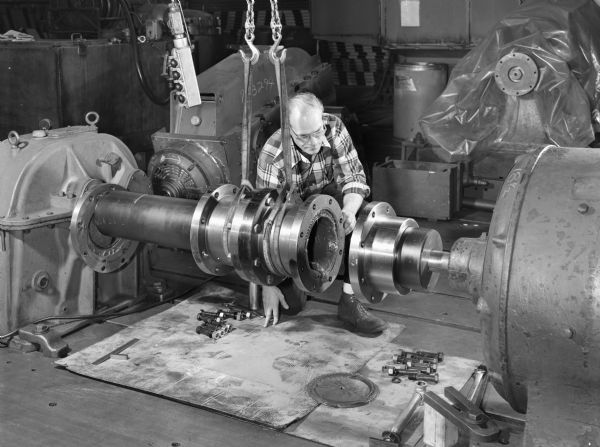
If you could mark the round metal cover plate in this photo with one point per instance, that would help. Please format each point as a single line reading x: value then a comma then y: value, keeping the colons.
x: 516, y: 74
x: 342, y: 390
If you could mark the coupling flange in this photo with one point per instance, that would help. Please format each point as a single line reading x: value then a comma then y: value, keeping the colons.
x: 210, y: 225
x: 391, y: 254
x: 264, y: 237
x: 248, y: 253
x: 104, y: 254
x: 310, y: 242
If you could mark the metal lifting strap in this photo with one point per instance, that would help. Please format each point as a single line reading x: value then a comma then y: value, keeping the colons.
x: 277, y: 56
x: 249, y: 61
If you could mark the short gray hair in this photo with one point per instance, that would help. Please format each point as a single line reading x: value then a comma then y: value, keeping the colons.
x: 303, y: 101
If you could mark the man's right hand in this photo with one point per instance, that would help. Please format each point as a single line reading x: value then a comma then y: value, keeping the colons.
x: 272, y: 297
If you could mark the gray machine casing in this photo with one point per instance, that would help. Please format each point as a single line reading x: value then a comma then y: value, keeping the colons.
x: 40, y: 273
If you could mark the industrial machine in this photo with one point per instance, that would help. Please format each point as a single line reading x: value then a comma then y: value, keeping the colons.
x: 533, y: 276
x: 75, y: 209
x: 43, y: 174
x: 202, y: 148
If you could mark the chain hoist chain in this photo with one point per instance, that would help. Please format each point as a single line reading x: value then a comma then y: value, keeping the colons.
x: 250, y: 22
x: 275, y: 22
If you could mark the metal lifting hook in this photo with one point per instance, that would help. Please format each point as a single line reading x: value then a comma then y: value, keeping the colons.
x: 253, y: 56
x: 273, y: 52
x: 276, y: 28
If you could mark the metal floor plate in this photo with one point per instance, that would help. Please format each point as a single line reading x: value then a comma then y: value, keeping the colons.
x: 342, y: 390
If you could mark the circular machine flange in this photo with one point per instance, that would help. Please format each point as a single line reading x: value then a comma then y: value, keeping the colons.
x: 365, y: 263
x: 102, y: 253
x: 342, y: 390
x: 199, y: 230
x: 247, y: 234
x: 516, y: 74
x: 311, y: 242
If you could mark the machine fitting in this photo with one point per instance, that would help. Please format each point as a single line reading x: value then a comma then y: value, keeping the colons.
x: 258, y: 234
x: 390, y: 254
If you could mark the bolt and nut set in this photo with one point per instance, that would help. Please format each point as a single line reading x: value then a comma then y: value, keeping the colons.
x: 214, y: 324
x: 418, y: 365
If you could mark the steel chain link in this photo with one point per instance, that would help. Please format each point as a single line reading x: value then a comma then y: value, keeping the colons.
x: 250, y: 22
x: 275, y: 22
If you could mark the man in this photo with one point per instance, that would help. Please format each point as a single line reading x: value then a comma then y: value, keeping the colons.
x: 325, y: 161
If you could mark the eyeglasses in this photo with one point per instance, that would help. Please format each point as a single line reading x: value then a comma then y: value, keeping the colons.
x: 307, y: 138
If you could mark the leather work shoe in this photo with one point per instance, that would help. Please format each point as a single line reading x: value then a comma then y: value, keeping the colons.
x: 352, y: 311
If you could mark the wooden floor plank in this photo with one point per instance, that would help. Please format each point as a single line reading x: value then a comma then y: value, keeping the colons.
x: 90, y: 413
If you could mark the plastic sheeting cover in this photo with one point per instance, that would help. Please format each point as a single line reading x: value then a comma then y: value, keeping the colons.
x: 562, y: 38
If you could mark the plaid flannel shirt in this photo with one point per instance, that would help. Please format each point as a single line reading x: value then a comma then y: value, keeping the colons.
x: 336, y: 161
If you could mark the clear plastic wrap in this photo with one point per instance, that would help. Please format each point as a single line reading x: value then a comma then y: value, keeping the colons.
x: 562, y: 39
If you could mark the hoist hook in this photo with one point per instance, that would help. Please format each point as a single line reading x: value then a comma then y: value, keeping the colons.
x: 253, y: 56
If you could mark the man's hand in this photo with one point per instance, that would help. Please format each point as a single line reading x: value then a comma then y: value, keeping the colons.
x: 349, y: 221
x: 352, y: 203
x: 272, y: 297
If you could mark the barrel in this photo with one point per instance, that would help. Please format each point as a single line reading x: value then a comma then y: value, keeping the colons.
x: 416, y: 86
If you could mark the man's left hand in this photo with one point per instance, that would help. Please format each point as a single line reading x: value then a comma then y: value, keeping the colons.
x: 349, y: 221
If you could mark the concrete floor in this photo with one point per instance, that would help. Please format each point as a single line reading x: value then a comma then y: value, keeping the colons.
x: 42, y: 405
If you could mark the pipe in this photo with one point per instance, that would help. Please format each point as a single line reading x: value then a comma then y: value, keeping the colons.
x: 402, y: 421
x: 253, y: 294
x: 145, y: 218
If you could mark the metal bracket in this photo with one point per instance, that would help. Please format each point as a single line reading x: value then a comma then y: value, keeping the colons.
x: 465, y: 415
x: 50, y: 343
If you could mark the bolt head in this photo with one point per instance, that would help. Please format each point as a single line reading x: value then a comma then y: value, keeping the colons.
x: 515, y: 74
x: 569, y: 332
x: 41, y: 328
x: 583, y: 208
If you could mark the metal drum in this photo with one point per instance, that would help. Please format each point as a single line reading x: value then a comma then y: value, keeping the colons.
x: 538, y: 285
x: 416, y: 86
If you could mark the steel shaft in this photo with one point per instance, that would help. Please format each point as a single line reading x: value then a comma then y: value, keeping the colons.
x: 264, y: 236
x: 145, y: 218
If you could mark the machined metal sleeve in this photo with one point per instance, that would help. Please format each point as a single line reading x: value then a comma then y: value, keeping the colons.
x: 145, y: 218
x: 266, y: 238
x: 391, y: 254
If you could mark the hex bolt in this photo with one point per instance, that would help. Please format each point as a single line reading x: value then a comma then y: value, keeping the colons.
x: 569, y: 332
x: 434, y: 378
x: 41, y: 328
x: 515, y: 74
x: 420, y: 356
x: 436, y: 355
x: 583, y: 208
